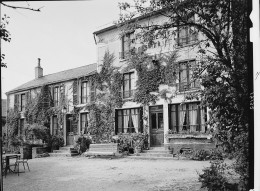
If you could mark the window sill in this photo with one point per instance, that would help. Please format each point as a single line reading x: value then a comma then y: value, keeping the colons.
x: 188, y: 136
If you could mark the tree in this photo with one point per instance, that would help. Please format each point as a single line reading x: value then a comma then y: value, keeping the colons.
x: 224, y: 68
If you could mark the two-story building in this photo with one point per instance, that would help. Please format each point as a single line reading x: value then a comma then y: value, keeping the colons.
x: 75, y: 87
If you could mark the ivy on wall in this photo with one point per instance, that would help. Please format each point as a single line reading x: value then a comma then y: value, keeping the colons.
x: 108, y: 97
x: 151, y: 74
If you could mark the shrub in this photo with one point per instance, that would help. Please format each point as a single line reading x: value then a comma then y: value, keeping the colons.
x: 212, y: 154
x: 83, y: 143
x: 215, y: 178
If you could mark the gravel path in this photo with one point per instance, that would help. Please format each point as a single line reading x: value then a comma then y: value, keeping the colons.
x: 96, y: 174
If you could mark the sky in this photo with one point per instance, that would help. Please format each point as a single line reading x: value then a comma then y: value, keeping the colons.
x: 61, y: 35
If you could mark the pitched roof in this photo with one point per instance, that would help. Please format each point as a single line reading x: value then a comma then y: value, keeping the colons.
x: 57, y: 77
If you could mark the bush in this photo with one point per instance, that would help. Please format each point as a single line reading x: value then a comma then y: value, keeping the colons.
x: 207, y: 155
x: 83, y: 144
x: 55, y: 141
x: 215, y: 178
x: 38, y: 131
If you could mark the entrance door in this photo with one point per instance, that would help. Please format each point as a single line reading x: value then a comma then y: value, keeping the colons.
x: 156, y: 126
x: 69, y: 130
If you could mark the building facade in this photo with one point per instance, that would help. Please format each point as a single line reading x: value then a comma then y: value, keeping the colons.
x: 170, y: 121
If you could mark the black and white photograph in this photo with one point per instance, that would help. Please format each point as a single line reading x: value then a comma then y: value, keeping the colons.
x: 130, y: 95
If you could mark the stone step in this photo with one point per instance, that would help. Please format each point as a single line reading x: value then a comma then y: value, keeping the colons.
x: 158, y: 149
x: 155, y: 155
x: 150, y: 158
x: 63, y: 154
x: 109, y: 145
x: 65, y: 148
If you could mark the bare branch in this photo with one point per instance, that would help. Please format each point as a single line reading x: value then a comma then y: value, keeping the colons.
x: 18, y: 7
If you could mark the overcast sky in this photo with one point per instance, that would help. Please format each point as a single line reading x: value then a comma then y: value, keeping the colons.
x: 61, y: 35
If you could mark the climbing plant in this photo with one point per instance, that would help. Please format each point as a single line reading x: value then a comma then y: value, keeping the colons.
x: 108, y: 84
x: 12, y: 122
x: 151, y: 74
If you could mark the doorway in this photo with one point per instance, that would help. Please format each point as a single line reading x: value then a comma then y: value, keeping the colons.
x: 69, y: 130
x: 156, y: 126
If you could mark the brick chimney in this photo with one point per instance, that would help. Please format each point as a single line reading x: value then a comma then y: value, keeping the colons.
x: 38, y: 70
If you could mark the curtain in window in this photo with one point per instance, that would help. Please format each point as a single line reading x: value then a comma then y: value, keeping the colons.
x: 135, y: 119
x: 193, y: 115
x: 173, y: 118
x: 182, y: 116
x: 126, y: 119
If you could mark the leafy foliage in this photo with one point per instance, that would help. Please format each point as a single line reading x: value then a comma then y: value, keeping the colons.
x: 108, y: 84
x: 207, y: 155
x: 12, y: 122
x: 218, y: 177
x: 5, y: 35
x: 83, y: 143
x: 151, y: 74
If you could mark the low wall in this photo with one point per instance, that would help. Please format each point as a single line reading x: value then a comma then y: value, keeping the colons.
x: 175, y: 143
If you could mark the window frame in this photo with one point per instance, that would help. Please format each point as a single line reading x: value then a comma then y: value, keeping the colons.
x: 86, y: 121
x: 189, y: 83
x: 131, y: 79
x: 56, y: 97
x: 122, y: 128
x: 188, y: 125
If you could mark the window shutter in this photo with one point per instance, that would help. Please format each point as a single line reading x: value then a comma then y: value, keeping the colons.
x: 116, y: 122
x: 141, y: 120
x: 75, y: 92
x: 16, y: 101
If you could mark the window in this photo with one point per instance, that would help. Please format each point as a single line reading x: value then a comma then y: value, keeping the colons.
x: 128, y: 120
x: 186, y: 34
x: 55, y: 125
x: 87, y: 92
x: 84, y: 118
x: 186, y: 78
x: 22, y: 106
x: 127, y: 40
x: 189, y: 117
x: 129, y: 85
x: 56, y: 96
